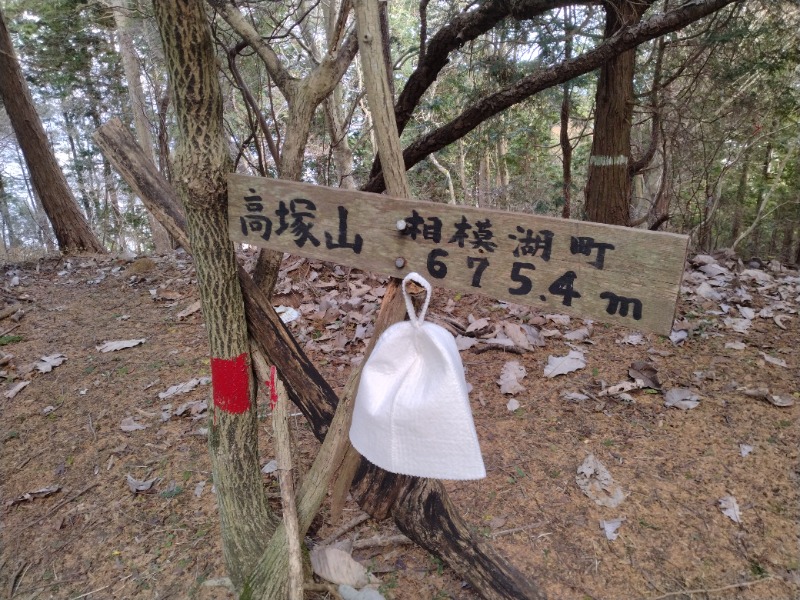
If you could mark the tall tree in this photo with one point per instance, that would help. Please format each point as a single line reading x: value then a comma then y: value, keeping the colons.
x: 608, y: 188
x: 130, y: 64
x: 70, y: 227
x: 201, y: 165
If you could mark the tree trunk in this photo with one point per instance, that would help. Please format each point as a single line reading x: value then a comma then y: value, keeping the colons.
x: 756, y: 228
x: 484, y: 193
x: 741, y: 195
x: 608, y: 186
x: 563, y: 137
x: 79, y: 166
x: 342, y: 154
x: 70, y: 227
x: 451, y: 193
x: 462, y: 172
x: 130, y: 64
x: 201, y: 164
x: 45, y: 234
x: 112, y: 201
x: 10, y: 238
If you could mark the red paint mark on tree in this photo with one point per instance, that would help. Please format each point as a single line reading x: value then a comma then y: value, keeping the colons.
x: 230, y: 378
x: 273, y: 387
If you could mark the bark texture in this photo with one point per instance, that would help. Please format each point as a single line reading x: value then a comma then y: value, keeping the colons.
x: 201, y: 164
x: 69, y: 225
x: 608, y: 186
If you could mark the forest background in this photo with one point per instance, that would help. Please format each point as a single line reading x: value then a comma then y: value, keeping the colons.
x: 688, y: 125
x: 706, y: 120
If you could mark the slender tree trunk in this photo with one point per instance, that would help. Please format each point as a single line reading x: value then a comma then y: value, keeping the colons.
x: 563, y: 138
x: 484, y: 193
x: 451, y: 193
x: 504, y: 178
x: 201, y: 165
x: 78, y: 164
x: 462, y: 172
x: 9, y: 234
x: 130, y: 64
x: 741, y: 195
x: 342, y: 155
x: 71, y: 229
x: 38, y: 215
x: 755, y: 229
x: 608, y: 187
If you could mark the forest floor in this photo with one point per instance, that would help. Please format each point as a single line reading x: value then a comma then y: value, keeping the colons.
x: 710, y: 502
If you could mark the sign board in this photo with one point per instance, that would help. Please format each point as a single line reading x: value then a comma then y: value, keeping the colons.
x: 605, y: 272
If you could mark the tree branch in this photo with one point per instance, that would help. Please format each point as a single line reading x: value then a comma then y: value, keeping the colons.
x: 283, y: 79
x: 626, y: 39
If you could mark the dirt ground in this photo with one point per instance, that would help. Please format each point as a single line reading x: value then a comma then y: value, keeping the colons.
x: 73, y: 528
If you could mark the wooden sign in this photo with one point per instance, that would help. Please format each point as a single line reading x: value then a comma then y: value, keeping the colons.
x: 605, y: 272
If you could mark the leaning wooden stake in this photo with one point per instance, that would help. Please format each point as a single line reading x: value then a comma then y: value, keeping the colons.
x: 420, y: 504
x: 424, y: 510
x: 283, y: 453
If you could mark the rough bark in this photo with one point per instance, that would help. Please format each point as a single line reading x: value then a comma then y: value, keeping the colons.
x: 69, y: 225
x: 130, y: 65
x: 487, y: 107
x: 379, y: 96
x: 608, y: 185
x: 201, y: 164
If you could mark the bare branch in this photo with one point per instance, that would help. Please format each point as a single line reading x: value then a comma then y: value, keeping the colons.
x: 625, y: 39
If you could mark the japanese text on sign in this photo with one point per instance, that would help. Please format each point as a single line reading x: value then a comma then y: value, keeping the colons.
x: 611, y: 273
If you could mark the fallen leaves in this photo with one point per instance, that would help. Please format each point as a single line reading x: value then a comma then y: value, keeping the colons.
x: 114, y: 346
x: 33, y: 495
x: 129, y: 424
x: 337, y: 566
x: 611, y: 528
x: 47, y: 363
x: 632, y: 339
x: 561, y: 365
x: 682, y: 398
x: 596, y: 482
x: 646, y: 373
x: 730, y: 508
x: 184, y: 388
x: 189, y: 310
x: 774, y: 361
x: 15, y: 389
x: 140, y: 486
x: 510, y: 377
